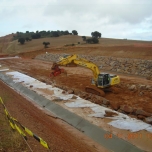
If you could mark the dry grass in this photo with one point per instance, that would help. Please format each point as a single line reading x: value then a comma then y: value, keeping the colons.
x: 37, y: 44
x: 106, y: 47
x: 10, y: 140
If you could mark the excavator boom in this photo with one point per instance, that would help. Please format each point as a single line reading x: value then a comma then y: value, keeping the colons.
x: 82, y: 62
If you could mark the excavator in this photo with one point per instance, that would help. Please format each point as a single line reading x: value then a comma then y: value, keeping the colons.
x: 100, y: 83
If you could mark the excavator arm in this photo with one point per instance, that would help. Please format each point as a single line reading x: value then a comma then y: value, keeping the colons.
x: 67, y: 60
x: 89, y: 65
x: 82, y: 62
x: 101, y: 81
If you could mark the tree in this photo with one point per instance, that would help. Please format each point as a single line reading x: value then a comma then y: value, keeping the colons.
x: 27, y: 39
x: 92, y: 40
x: 46, y: 44
x: 95, y: 40
x: 89, y: 40
x: 36, y: 36
x: 66, y: 32
x: 96, y: 34
x: 54, y: 34
x: 74, y: 32
x: 84, y: 38
x: 43, y: 33
x: 21, y: 40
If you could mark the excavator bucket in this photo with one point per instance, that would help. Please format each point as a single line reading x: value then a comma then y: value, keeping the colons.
x: 55, y: 70
x: 54, y: 66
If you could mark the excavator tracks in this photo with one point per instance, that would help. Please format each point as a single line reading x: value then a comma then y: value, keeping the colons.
x: 95, y: 90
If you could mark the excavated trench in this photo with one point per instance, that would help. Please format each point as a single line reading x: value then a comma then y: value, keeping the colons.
x: 89, y: 129
x: 131, y: 98
x: 125, y: 109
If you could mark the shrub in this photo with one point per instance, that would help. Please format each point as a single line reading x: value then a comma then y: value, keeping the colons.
x: 21, y: 40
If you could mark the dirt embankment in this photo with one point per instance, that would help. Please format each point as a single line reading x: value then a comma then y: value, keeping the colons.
x: 132, y: 96
x: 137, y: 67
x: 132, y: 51
x: 59, y: 135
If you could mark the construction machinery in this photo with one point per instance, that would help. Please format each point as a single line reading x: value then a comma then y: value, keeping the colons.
x: 70, y: 64
x: 55, y: 70
x: 101, y: 82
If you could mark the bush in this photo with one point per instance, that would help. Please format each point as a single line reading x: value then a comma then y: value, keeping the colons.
x: 96, y: 34
x: 21, y: 40
x: 27, y: 39
x: 46, y: 44
x: 74, y: 32
x: 93, y: 40
x: 84, y: 38
x: 36, y: 36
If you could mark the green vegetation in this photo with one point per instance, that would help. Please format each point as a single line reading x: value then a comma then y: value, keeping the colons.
x: 46, y: 44
x: 96, y: 34
x: 74, y: 32
x: 36, y: 36
x: 94, y: 39
x: 28, y: 36
x: 84, y: 38
x: 28, y: 39
x: 41, y: 34
x: 21, y: 40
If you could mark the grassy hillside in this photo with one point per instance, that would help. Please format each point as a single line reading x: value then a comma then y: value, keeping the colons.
x: 106, y: 47
x: 4, y: 42
x: 37, y: 44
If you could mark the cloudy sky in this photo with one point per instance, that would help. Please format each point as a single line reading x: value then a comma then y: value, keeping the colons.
x: 131, y: 19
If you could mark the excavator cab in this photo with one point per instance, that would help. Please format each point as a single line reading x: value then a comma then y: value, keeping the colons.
x: 103, y: 80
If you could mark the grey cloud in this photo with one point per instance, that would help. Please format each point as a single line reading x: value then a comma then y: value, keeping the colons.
x: 113, y: 18
x: 27, y: 26
x: 116, y: 12
x: 6, y: 13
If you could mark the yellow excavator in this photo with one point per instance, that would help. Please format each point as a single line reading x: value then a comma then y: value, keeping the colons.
x: 101, y: 82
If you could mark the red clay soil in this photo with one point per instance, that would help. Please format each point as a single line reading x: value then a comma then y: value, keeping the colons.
x: 80, y: 77
x: 60, y: 136
x: 3, y: 55
x: 129, y: 51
